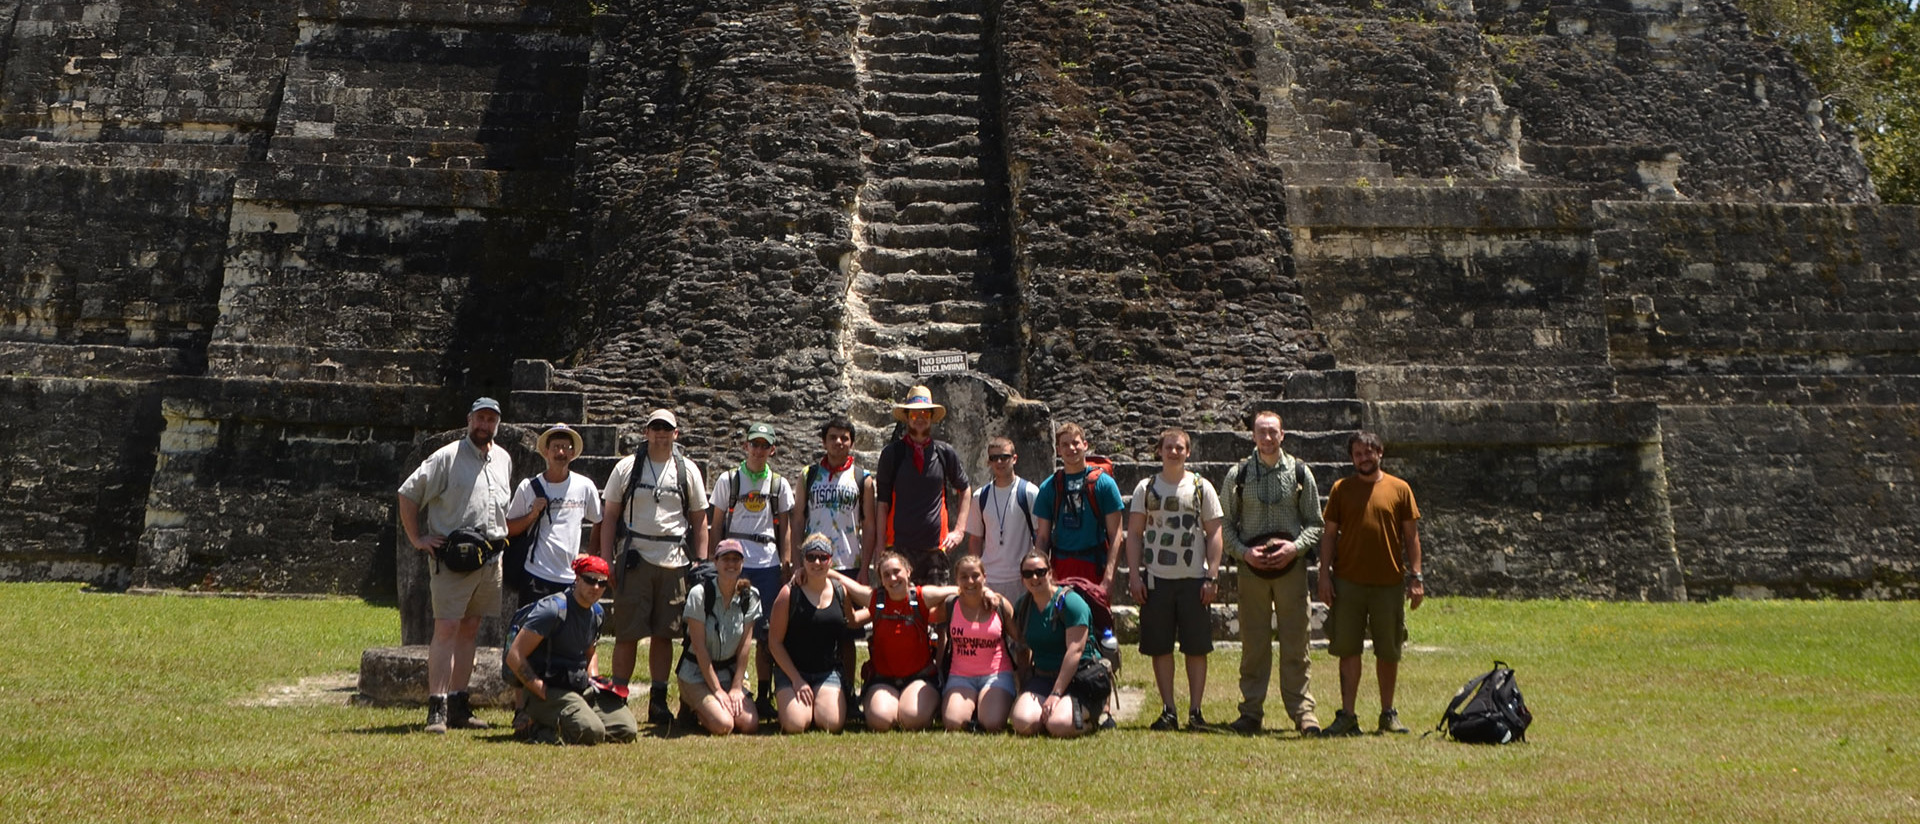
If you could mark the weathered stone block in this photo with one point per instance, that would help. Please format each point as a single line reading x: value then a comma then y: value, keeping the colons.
x: 398, y: 676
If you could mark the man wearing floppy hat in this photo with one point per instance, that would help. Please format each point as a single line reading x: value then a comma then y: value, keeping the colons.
x: 557, y: 505
x: 462, y: 487
x: 916, y: 474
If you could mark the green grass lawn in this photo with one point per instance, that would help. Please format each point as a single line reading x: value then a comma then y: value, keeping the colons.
x: 120, y: 707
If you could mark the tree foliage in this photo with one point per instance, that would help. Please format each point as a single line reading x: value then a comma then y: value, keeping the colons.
x: 1865, y: 56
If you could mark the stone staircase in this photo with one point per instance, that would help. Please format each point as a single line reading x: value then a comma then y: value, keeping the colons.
x: 926, y: 223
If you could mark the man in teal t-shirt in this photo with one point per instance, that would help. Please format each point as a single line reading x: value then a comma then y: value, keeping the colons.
x: 1080, y: 544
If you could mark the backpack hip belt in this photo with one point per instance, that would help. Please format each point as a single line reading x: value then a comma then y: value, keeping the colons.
x: 762, y: 538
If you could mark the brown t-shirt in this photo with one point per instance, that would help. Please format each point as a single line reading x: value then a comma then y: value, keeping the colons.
x: 1368, y: 549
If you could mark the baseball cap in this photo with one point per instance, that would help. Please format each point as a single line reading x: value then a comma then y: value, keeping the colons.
x: 763, y: 431
x: 485, y: 403
x: 663, y: 416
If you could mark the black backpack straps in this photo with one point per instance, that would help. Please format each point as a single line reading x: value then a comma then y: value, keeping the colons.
x: 621, y: 529
x: 686, y: 472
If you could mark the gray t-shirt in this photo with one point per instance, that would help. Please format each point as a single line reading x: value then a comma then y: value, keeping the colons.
x: 730, y: 622
x: 567, y: 630
x: 457, y: 487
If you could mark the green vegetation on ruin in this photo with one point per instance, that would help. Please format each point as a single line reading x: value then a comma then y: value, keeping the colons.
x: 127, y: 708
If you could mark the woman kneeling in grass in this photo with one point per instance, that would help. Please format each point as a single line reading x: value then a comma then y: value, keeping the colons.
x: 903, y: 686
x: 1057, y: 625
x: 809, y: 623
x: 713, y: 665
x: 980, y: 678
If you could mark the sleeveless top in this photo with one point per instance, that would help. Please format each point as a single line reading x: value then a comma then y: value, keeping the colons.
x: 977, y: 649
x: 814, y: 633
x: 901, y: 646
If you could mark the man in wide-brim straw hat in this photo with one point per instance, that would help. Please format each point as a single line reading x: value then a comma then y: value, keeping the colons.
x: 919, y: 397
x: 914, y: 477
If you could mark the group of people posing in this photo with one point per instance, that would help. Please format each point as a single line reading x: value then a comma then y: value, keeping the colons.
x: 981, y: 605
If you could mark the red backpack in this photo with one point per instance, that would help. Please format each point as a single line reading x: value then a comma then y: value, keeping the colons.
x: 1097, y: 465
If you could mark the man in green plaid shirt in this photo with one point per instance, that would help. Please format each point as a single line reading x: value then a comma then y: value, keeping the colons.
x: 1272, y: 508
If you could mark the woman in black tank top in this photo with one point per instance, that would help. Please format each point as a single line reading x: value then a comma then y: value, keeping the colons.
x: 806, y: 629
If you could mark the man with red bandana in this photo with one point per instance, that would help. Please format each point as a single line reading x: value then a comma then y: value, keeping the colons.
x: 917, y: 474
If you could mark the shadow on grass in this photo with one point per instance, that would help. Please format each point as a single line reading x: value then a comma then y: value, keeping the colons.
x: 389, y: 729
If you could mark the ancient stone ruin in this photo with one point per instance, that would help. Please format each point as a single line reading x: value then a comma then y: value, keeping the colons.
x: 1615, y: 290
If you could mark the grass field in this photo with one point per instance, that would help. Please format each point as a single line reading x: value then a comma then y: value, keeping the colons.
x: 120, y: 708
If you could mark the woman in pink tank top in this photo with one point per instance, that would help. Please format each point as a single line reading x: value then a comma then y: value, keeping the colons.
x: 980, y: 675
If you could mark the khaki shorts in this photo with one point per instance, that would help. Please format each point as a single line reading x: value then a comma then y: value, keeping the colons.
x: 647, y: 601
x: 1361, y: 611
x: 458, y: 595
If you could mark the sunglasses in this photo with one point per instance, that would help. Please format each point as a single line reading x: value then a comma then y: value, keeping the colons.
x: 818, y: 559
x: 1034, y: 573
x: 999, y: 458
x: 593, y: 580
x: 659, y: 427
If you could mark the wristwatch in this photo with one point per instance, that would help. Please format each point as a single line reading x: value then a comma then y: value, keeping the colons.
x: 1415, y: 576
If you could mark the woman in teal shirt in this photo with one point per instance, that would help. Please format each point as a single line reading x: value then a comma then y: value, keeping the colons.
x: 1056, y: 630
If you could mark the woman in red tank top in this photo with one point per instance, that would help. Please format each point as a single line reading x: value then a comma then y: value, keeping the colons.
x: 902, y: 678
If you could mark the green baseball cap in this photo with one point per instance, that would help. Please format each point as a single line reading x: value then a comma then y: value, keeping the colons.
x: 763, y: 431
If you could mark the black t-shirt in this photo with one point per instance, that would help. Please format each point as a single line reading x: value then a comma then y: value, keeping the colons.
x: 918, y: 495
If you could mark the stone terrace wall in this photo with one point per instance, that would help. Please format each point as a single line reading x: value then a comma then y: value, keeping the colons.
x: 1757, y: 303
x: 1454, y: 293
x: 1537, y: 499
x: 195, y: 71
x: 722, y: 158
x: 1668, y: 97
x: 79, y: 458
x: 1148, y: 223
x: 111, y: 256
x: 1784, y: 344
x: 1809, y: 501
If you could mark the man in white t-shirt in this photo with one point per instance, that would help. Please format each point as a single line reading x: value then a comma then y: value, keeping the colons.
x: 1000, y: 528
x: 655, y: 504
x: 557, y: 505
x: 1174, y: 521
x: 753, y: 504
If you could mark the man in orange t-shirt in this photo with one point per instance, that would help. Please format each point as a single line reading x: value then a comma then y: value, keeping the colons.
x: 1369, y: 574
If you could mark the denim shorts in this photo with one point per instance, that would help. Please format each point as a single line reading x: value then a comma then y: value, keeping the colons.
x: 816, y: 680
x: 1002, y: 681
x: 766, y: 582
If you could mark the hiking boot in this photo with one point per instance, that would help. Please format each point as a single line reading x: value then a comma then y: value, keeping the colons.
x: 1344, y: 724
x: 460, y: 713
x: 1197, y: 722
x: 1167, y: 721
x: 1107, y: 721
x: 658, y: 713
x: 437, y: 714
x: 763, y: 706
x: 1390, y: 722
x: 1245, y: 725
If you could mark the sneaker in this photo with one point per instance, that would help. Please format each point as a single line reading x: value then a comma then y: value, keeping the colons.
x: 763, y: 707
x: 437, y: 714
x: 1245, y: 725
x: 1196, y: 722
x: 460, y: 713
x: 1308, y: 726
x: 1344, y: 724
x: 1167, y: 721
x: 658, y: 713
x: 1390, y: 722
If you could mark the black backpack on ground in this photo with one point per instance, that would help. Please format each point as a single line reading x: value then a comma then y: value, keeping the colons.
x: 1488, y: 710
